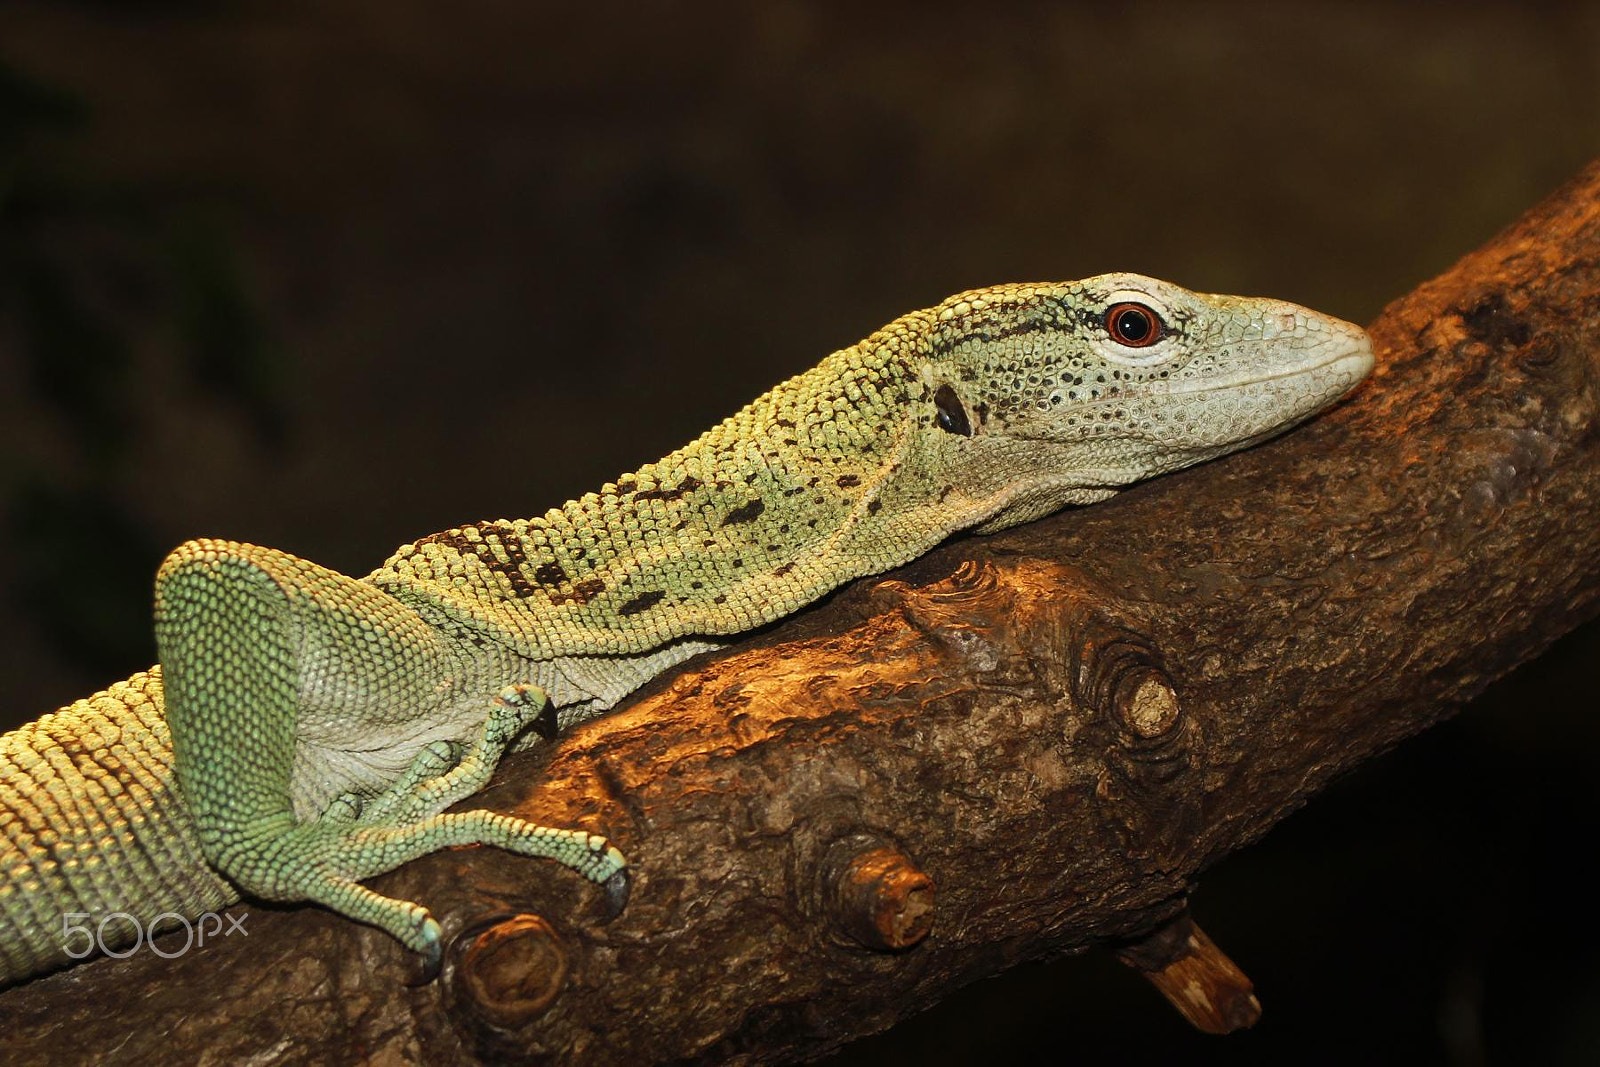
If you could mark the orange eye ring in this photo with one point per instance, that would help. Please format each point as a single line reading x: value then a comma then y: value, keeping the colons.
x: 1134, y: 325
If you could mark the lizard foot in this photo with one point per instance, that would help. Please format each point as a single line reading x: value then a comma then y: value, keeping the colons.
x: 325, y: 861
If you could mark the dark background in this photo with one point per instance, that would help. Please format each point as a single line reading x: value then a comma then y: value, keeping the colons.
x: 331, y: 276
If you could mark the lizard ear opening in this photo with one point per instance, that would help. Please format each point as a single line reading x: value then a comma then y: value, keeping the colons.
x: 952, y: 416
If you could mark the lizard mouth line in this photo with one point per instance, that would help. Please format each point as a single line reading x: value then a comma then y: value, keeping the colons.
x: 1354, y: 362
x: 1357, y: 362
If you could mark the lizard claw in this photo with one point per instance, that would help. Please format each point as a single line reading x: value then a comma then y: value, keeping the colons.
x: 617, y: 888
x: 428, y: 961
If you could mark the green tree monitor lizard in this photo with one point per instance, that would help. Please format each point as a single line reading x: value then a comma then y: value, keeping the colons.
x: 305, y: 731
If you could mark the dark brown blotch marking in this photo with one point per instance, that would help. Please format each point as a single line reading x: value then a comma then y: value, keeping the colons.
x: 550, y: 573
x: 482, y: 547
x: 581, y: 593
x: 746, y: 513
x: 688, y: 485
x: 448, y: 539
x: 642, y: 602
x: 849, y: 481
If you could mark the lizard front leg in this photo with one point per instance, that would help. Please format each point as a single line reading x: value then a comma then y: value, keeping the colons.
x: 261, y: 649
x: 444, y: 771
x: 435, y: 760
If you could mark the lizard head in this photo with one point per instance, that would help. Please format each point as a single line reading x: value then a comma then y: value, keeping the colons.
x: 1047, y: 395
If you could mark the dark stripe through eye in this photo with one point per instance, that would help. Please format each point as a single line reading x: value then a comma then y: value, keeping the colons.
x: 952, y: 417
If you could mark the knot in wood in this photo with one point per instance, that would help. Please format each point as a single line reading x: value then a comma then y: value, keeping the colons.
x: 1118, y: 672
x: 1146, y: 703
x: 881, y: 899
x: 512, y: 971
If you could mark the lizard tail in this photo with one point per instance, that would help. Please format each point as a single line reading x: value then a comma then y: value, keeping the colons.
x: 97, y: 844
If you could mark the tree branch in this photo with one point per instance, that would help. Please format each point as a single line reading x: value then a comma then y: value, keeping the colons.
x: 1022, y: 745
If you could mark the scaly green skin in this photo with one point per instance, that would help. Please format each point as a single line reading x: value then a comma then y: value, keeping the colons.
x: 319, y: 724
x: 94, y: 826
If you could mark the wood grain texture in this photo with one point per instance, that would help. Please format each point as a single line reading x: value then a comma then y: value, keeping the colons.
x: 1044, y: 736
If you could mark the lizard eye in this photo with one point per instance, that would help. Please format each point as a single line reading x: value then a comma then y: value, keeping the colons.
x: 952, y: 417
x: 1134, y: 325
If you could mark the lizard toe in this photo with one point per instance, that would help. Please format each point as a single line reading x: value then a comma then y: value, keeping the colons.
x: 429, y: 957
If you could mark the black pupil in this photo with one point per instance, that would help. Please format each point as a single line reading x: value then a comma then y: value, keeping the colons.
x: 1133, y: 325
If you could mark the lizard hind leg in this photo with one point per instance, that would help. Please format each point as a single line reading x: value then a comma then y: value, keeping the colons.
x: 259, y: 647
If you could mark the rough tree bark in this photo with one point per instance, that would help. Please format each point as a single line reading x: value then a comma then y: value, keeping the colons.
x: 1023, y: 744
